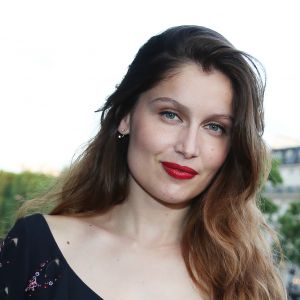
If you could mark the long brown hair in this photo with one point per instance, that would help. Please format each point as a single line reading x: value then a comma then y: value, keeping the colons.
x: 223, y: 244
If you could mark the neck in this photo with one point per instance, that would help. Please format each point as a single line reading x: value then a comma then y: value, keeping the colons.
x: 146, y: 221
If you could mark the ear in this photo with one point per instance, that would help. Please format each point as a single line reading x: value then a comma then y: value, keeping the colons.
x: 124, y: 126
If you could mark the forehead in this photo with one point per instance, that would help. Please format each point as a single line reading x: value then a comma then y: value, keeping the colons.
x: 194, y: 88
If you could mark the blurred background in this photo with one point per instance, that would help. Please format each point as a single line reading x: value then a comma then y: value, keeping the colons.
x: 59, y: 60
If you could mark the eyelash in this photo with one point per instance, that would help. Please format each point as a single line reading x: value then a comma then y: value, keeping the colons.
x: 167, y: 112
x: 218, y: 125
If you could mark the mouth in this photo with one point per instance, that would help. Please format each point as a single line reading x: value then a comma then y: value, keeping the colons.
x: 178, y: 171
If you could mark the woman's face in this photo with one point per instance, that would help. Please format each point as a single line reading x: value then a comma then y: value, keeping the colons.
x: 179, y: 135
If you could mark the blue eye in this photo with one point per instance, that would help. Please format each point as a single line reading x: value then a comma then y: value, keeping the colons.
x: 169, y: 115
x: 216, y: 127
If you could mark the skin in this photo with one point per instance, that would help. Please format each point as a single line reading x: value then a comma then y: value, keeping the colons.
x: 133, y: 251
x: 174, y: 122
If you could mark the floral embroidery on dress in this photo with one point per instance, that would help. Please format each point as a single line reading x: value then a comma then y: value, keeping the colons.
x: 45, y: 276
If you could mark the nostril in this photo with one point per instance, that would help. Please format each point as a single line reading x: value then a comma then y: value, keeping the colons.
x: 188, y: 142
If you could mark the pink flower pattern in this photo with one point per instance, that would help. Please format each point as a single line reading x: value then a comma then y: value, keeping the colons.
x: 36, y: 281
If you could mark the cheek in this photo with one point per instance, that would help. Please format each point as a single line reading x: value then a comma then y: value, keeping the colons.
x: 141, y: 141
x: 216, y: 156
x: 147, y: 138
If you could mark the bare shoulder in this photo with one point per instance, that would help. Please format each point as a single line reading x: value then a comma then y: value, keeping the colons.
x: 152, y: 272
x: 66, y: 229
x: 59, y: 220
x: 62, y: 223
x: 73, y: 227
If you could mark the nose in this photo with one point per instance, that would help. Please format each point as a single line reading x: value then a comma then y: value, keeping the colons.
x: 187, y: 143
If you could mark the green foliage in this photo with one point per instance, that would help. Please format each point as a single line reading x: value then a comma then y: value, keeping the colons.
x: 274, y: 176
x: 266, y: 205
x: 287, y: 224
x: 289, y: 228
x: 17, y: 188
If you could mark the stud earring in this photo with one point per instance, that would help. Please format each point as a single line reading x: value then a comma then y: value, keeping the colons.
x: 121, y: 135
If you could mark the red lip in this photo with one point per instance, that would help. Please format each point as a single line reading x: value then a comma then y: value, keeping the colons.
x: 178, y: 171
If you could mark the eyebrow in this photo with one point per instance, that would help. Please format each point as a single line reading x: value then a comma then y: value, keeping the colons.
x: 185, y: 109
x: 172, y: 101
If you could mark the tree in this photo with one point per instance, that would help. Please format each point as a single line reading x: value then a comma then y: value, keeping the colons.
x: 289, y: 228
x: 17, y: 188
x: 287, y: 224
x: 267, y: 206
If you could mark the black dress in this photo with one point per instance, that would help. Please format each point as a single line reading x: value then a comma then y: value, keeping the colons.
x: 33, y: 267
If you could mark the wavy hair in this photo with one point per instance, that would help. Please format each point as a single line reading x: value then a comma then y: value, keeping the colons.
x: 224, y: 236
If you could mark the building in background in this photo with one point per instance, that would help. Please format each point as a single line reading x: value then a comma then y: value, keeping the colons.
x: 289, y: 190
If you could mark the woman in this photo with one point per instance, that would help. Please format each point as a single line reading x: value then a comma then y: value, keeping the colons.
x: 162, y: 203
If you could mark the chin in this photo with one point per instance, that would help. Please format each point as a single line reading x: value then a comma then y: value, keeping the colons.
x: 175, y: 201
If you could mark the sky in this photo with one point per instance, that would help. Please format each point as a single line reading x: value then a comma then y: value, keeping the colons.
x: 60, y: 60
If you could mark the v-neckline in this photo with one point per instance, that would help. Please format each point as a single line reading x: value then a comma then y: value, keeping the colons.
x: 64, y: 259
